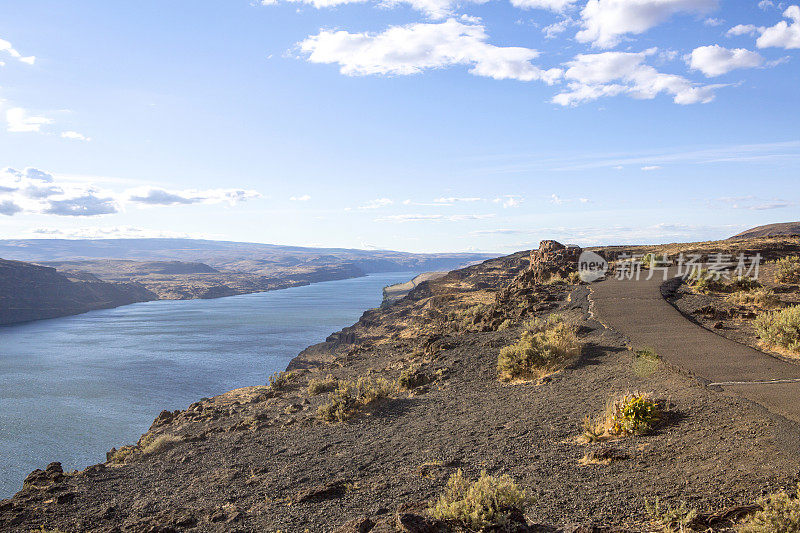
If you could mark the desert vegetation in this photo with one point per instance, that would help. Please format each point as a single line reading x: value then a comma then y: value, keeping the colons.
x: 349, y: 396
x: 625, y: 415
x: 787, y: 269
x: 546, y: 346
x: 705, y: 282
x: 321, y: 385
x: 780, y: 328
x: 780, y: 513
x: 762, y: 298
x: 279, y: 380
x: 488, y: 502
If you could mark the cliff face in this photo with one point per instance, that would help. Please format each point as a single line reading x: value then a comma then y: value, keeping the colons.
x: 33, y: 292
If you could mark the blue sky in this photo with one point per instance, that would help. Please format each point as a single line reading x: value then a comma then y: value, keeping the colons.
x: 423, y: 125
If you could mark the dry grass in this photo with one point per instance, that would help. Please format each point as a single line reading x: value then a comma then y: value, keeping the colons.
x: 349, y: 396
x: 780, y: 513
x: 488, y: 502
x: 547, y: 346
x: 319, y: 386
x: 760, y: 298
x: 159, y: 444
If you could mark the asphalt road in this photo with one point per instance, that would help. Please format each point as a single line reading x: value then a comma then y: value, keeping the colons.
x: 637, y: 310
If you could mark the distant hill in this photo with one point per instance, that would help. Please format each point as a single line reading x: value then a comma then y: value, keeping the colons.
x: 33, y: 292
x: 770, y: 230
x: 228, y: 255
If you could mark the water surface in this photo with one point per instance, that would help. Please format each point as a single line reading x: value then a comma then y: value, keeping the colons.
x: 73, y: 387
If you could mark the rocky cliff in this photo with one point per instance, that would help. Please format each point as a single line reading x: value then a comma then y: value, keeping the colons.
x: 33, y: 292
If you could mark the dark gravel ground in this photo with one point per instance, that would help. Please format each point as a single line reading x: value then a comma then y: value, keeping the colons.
x: 256, y: 459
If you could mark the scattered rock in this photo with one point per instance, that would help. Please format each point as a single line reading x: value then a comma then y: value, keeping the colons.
x: 334, y: 489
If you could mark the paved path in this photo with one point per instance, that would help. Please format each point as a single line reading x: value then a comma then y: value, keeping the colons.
x: 637, y: 310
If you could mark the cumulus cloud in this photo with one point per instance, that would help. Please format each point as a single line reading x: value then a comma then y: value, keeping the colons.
x: 6, y: 47
x: 19, y: 121
x: 782, y: 34
x: 606, y: 22
x: 715, y: 60
x: 593, y: 76
x: 8, y: 208
x: 553, y: 5
x: 414, y: 48
x: 303, y: 198
x: 742, y: 29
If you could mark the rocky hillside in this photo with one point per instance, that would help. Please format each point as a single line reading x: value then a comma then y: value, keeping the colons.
x: 33, y: 292
x: 770, y: 230
x: 364, y: 432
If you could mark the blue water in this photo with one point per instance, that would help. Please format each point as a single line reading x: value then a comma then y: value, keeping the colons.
x: 73, y: 387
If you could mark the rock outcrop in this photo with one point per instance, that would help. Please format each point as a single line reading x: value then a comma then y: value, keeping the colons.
x: 33, y: 292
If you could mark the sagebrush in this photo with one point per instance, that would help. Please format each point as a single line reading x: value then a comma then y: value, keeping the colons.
x: 780, y: 328
x: 546, y: 346
x: 490, y: 501
x: 780, y: 513
x: 349, y: 396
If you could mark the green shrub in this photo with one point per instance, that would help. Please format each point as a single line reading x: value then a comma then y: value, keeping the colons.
x: 555, y: 279
x: 780, y: 328
x: 279, y: 380
x: 762, y: 298
x: 489, y: 501
x: 318, y: 386
x: 574, y: 277
x: 547, y: 346
x: 787, y: 269
x: 629, y: 414
x: 349, y: 396
x: 779, y: 513
x: 742, y: 283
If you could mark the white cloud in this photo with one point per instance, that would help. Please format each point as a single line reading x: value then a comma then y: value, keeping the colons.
x: 509, y: 200
x: 452, y: 200
x: 435, y: 9
x: 593, y: 76
x: 377, y: 203
x: 782, y: 34
x: 557, y: 28
x: 34, y: 191
x: 713, y: 22
x: 118, y: 232
x: 155, y: 196
x: 6, y: 47
x: 742, y: 29
x: 650, y: 168
x: 18, y: 121
x: 606, y: 22
x: 74, y: 135
x: 303, y: 198
x: 553, y: 5
x: 414, y: 48
x: 715, y: 60
x: 766, y: 4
